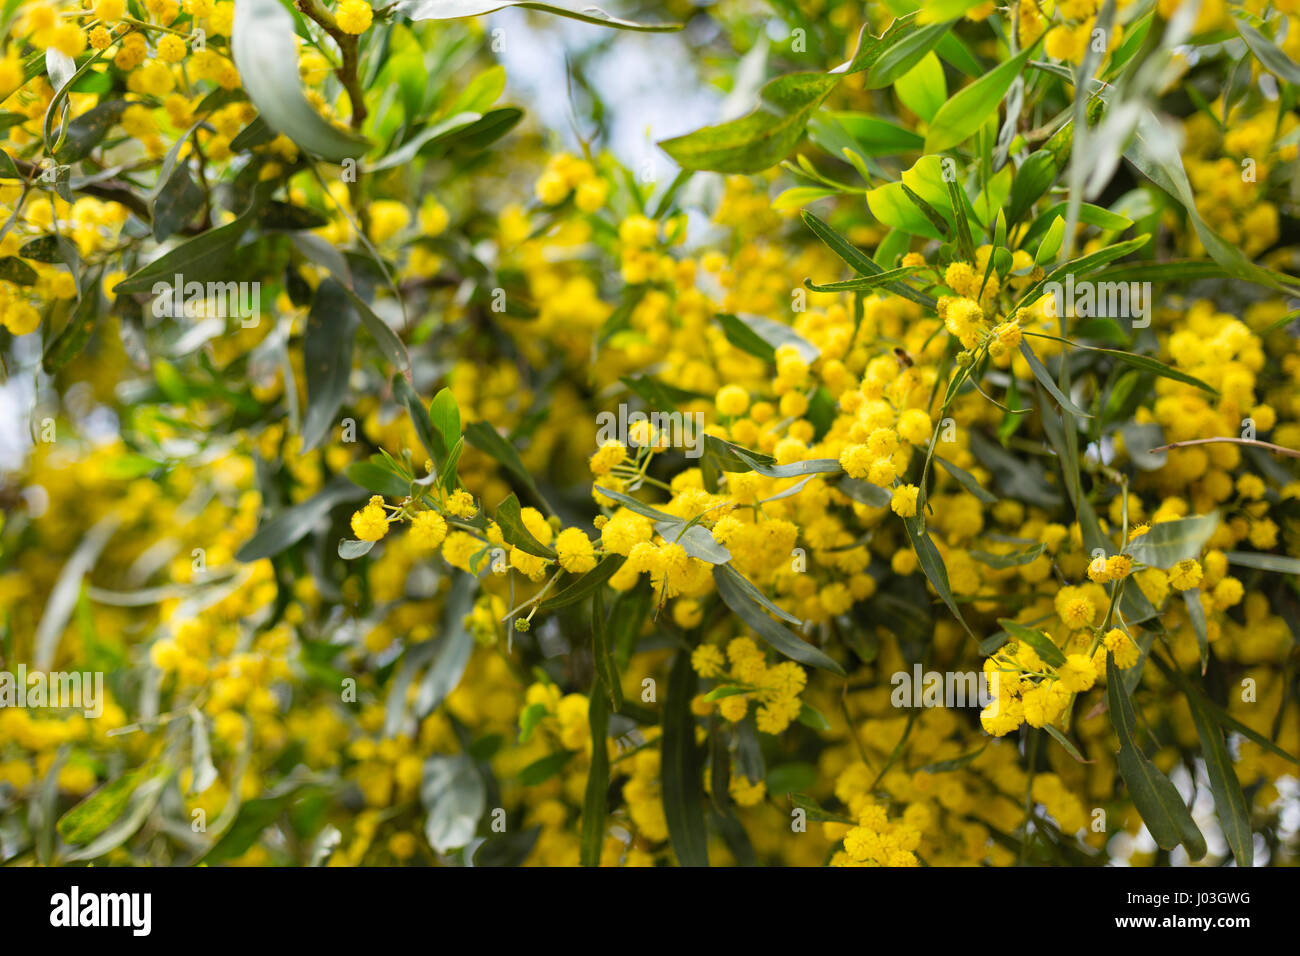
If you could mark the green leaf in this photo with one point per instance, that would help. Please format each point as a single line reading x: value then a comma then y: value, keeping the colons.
x: 813, y: 718
x: 1155, y: 156
x: 262, y: 44
x: 377, y: 479
x: 856, y: 259
x: 602, y: 652
x: 681, y: 772
x: 292, y: 524
x: 761, y: 138
x: 753, y: 615
x: 967, y: 481
x: 453, y: 796
x: 1196, y: 612
x: 932, y: 564
x: 1229, y: 802
x: 761, y: 337
x: 1268, y: 54
x: 488, y: 440
x: 1045, y: 379
x: 887, y: 57
x: 457, y: 9
x: 86, y: 132
x: 1014, y: 560
x: 585, y: 584
x: 387, y: 340
x: 1034, y: 177
x: 1065, y: 742
x: 815, y: 812
x: 68, y: 344
x: 1264, y: 562
x: 99, y: 810
x: 1051, y: 243
x: 507, y: 849
x: 327, y: 357
x: 1148, y: 364
x: 435, y: 133
x: 179, y: 201
x: 1153, y: 794
x: 864, y: 493
x: 923, y: 88
x: 198, y: 259
x: 696, y: 540
x: 444, y: 415
x: 594, y: 804
x: 875, y: 136
x: 509, y: 518
x: 350, y: 549
x: 1169, y: 542
x: 1040, y: 642
x: 966, y: 112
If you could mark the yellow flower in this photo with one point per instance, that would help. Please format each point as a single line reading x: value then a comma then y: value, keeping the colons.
x: 371, y: 522
x: 428, y: 529
x: 903, y: 500
x: 575, y: 551
x: 1185, y: 575
x: 354, y: 16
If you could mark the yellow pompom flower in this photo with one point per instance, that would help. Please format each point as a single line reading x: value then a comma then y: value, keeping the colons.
x: 428, y: 529
x: 370, y: 523
x: 1185, y: 575
x: 903, y: 500
x: 354, y: 16
x: 575, y: 551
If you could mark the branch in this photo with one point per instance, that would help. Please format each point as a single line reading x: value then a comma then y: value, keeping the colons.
x: 1276, y: 449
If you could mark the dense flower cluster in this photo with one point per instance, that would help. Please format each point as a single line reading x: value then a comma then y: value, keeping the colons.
x: 373, y: 563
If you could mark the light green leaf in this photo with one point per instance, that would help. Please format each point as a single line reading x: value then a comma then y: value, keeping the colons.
x: 1169, y: 542
x: 262, y: 43
x: 759, y: 139
x: 966, y: 112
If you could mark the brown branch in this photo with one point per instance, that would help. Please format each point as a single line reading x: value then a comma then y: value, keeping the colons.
x: 347, y: 43
x: 1277, y: 449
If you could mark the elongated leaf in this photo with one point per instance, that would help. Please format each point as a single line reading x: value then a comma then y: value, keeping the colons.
x: 1169, y: 542
x: 748, y: 610
x: 262, y: 44
x: 696, y: 540
x: 1265, y: 562
x: 1045, y: 379
x: 585, y: 584
x: 68, y: 344
x: 1040, y: 642
x: 293, y: 524
x: 1014, y: 560
x: 594, y: 804
x: 327, y: 355
x: 761, y: 337
x: 858, y: 260
x: 759, y: 139
x: 1153, y: 794
x: 453, y: 797
x: 967, y: 481
x: 509, y: 518
x: 966, y: 111
x: 487, y: 439
x: 602, y: 651
x: 1229, y: 801
x: 681, y: 772
x: 931, y: 562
